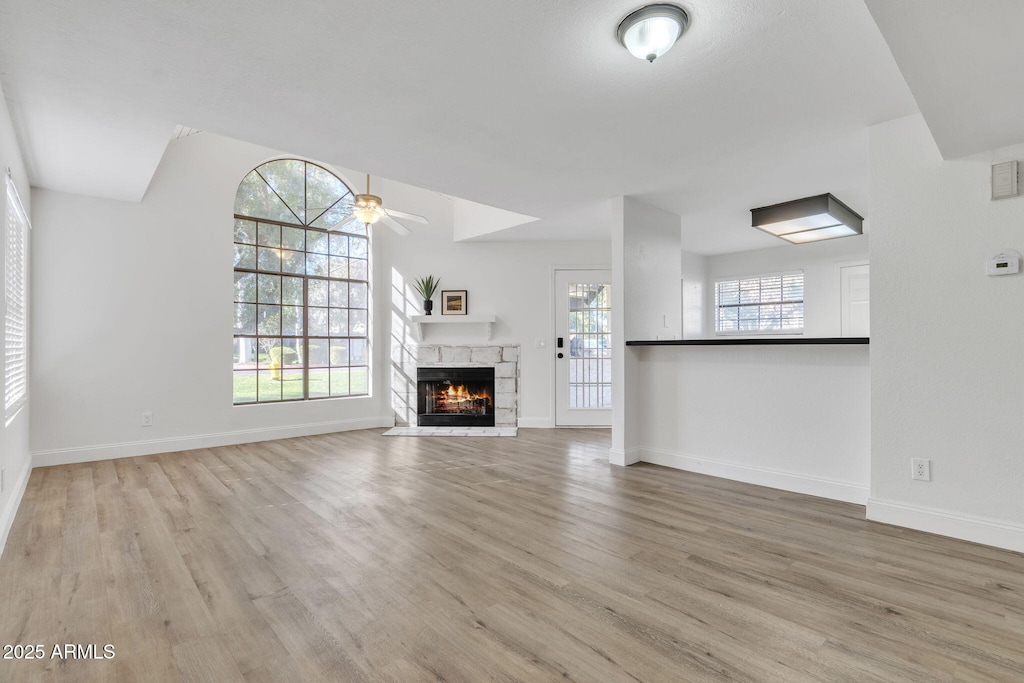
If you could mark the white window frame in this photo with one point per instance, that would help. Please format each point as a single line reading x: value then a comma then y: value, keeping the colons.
x: 16, y: 284
x: 761, y: 277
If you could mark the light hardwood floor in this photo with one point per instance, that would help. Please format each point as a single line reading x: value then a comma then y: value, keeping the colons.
x: 354, y: 557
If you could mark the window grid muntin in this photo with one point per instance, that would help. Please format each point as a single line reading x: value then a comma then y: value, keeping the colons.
x: 589, y: 328
x: 354, y: 314
x: 357, y: 254
x: 764, y: 299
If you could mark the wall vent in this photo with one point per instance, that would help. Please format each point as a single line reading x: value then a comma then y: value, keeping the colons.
x: 1004, y: 180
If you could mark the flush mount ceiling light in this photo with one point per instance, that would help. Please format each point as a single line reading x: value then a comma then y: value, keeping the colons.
x: 651, y: 31
x: 808, y: 220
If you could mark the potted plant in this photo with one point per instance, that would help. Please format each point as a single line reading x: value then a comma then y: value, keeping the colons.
x: 425, y: 287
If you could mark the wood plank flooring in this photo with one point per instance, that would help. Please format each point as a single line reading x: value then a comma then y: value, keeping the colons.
x: 354, y: 557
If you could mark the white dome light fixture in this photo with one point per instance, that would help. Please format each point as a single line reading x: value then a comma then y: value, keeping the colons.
x: 651, y: 31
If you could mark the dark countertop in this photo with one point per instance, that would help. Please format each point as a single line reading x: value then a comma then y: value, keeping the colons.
x: 751, y: 341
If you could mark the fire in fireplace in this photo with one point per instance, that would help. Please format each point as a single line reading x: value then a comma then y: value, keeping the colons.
x: 455, y: 397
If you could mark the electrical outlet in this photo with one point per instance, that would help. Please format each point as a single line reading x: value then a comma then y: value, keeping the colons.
x: 147, y: 419
x: 921, y: 469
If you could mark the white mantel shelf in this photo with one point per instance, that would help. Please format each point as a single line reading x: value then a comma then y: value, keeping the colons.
x: 486, y: 320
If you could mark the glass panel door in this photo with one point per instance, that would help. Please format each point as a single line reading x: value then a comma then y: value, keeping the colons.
x: 584, y: 348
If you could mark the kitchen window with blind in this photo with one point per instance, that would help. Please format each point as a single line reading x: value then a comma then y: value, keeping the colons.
x: 764, y: 304
x: 16, y: 298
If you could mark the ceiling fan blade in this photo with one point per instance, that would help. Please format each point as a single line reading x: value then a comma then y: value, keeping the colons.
x: 347, y: 222
x: 407, y: 216
x: 394, y: 225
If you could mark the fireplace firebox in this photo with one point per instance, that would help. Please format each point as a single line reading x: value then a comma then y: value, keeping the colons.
x: 455, y: 397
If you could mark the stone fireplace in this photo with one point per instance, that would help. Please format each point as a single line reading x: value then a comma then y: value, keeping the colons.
x: 470, y: 401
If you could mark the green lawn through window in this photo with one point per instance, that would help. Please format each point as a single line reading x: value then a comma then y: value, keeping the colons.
x: 323, y: 382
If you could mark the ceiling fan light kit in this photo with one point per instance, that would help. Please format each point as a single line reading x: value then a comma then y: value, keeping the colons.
x: 810, y: 219
x: 367, y: 206
x: 369, y: 209
x: 651, y: 31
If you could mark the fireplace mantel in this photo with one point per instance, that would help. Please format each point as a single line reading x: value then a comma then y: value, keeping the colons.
x: 486, y: 320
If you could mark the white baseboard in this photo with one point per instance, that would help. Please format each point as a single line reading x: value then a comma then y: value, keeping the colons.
x: 623, y: 458
x: 13, y: 503
x: 67, y: 456
x: 536, y: 423
x: 762, y: 476
x: 966, y: 527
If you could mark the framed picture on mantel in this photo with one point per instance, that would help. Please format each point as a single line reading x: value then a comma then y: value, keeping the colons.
x: 454, y: 302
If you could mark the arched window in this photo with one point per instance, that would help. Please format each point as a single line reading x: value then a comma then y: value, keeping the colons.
x: 301, y: 287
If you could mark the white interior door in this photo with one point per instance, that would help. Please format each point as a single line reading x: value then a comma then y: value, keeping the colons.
x: 583, y: 348
x: 855, y: 284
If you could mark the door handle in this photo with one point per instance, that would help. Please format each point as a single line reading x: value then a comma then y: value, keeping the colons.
x: 561, y: 355
x: 559, y: 343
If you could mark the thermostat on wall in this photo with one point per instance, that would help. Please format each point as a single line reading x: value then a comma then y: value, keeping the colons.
x: 1006, y: 262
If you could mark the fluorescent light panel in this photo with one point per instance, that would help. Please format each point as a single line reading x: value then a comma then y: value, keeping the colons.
x: 819, y: 234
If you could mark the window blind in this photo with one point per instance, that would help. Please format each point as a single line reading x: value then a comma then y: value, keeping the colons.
x: 767, y: 304
x: 16, y: 296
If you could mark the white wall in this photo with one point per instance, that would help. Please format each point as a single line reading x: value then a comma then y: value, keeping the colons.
x: 14, y: 437
x: 651, y: 253
x: 820, y: 262
x: 790, y: 417
x: 646, y: 304
x: 133, y: 311
x: 947, y: 341
x: 693, y: 271
x: 622, y: 451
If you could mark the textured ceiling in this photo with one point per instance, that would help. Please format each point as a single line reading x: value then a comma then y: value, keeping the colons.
x: 530, y: 106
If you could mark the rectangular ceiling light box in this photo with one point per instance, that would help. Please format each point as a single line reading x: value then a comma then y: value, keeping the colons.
x: 811, y: 219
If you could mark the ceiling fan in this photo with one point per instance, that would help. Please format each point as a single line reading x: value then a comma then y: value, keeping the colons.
x: 369, y: 209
